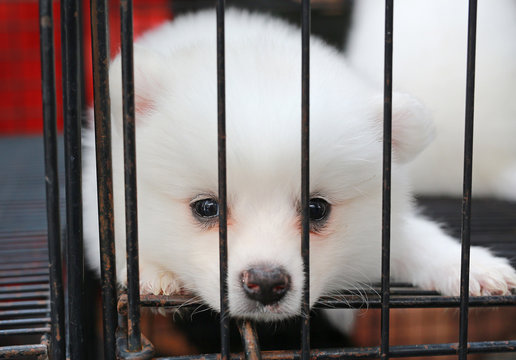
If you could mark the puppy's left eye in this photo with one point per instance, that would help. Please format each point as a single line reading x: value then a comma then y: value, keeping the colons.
x: 206, y: 208
x: 319, y: 209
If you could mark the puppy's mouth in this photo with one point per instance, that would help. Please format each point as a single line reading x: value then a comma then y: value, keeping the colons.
x: 271, y: 312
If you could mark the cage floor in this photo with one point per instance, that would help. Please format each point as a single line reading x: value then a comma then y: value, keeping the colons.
x: 493, y: 222
x: 24, y: 279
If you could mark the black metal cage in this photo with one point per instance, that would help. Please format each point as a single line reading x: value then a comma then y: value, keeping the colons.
x: 121, y: 310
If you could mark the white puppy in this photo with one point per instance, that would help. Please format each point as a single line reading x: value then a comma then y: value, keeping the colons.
x: 430, y: 42
x: 175, y: 76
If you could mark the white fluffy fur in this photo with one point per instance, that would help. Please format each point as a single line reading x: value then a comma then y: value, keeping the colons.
x: 430, y: 41
x: 177, y: 162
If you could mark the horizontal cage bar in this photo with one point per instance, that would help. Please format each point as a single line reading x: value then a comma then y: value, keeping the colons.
x: 6, y: 352
x: 396, y: 351
x: 352, y: 301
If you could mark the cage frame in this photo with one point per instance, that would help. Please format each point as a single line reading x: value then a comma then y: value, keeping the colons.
x: 122, y: 310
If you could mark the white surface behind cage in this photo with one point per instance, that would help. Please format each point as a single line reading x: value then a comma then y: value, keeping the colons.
x: 430, y: 42
x: 175, y: 77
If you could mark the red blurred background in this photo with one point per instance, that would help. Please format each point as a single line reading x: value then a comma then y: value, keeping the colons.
x: 20, y: 71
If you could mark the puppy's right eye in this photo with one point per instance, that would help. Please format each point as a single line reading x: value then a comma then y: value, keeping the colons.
x: 206, y: 208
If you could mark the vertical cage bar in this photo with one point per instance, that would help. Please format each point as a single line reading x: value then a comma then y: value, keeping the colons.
x: 73, y: 168
x: 100, y: 51
x: 250, y: 340
x: 468, y: 166
x: 48, y: 86
x: 386, y: 191
x: 223, y: 245
x: 305, y: 176
x: 82, y: 76
x: 131, y: 212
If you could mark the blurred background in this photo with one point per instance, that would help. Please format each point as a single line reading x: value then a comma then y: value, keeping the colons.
x: 20, y: 78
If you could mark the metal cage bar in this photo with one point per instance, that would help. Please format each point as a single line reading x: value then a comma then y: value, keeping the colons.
x: 23, y: 351
x: 386, y: 190
x: 131, y: 209
x: 100, y: 51
x: 250, y: 341
x: 305, y: 176
x: 395, y: 351
x: 48, y: 85
x: 223, y: 244
x: 397, y: 300
x: 466, y: 199
x: 389, y: 299
x: 73, y: 169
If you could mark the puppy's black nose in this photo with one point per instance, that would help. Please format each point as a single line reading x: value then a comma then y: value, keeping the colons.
x: 265, y: 284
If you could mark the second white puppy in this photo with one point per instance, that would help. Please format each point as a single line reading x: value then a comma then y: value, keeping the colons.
x: 175, y: 69
x: 430, y: 43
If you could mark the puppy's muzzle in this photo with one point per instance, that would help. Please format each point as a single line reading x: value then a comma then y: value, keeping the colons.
x: 265, y: 284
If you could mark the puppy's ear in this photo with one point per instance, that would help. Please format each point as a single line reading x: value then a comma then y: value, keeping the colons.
x: 412, y: 126
x: 148, y: 77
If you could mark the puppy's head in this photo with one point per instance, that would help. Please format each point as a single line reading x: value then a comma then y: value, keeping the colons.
x: 178, y: 181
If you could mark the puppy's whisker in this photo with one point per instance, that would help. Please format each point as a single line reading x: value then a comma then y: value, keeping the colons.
x: 199, y: 310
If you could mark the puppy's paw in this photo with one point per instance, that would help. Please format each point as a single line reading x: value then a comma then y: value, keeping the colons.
x: 489, y: 275
x: 159, y: 282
